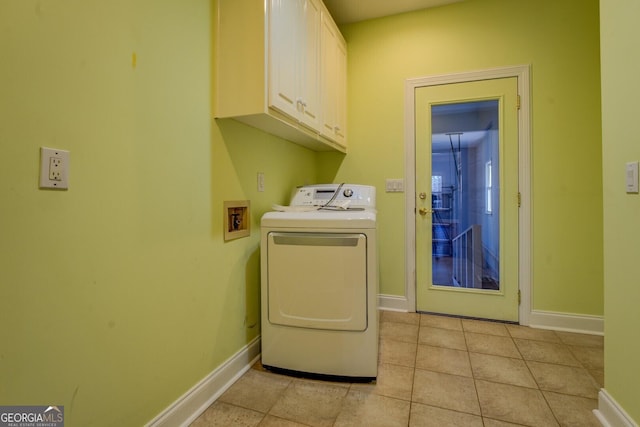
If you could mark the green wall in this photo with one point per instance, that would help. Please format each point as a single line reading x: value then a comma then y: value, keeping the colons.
x: 119, y: 295
x: 560, y: 40
x: 620, y: 71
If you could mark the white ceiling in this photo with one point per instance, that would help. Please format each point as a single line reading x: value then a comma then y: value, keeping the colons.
x: 347, y: 11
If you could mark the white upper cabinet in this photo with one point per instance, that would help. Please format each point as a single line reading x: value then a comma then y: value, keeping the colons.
x: 294, y: 59
x: 334, y: 82
x: 271, y: 73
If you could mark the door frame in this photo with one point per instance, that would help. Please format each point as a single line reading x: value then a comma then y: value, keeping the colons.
x: 525, y: 243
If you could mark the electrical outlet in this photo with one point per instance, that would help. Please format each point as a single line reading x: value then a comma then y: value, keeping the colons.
x: 54, y: 168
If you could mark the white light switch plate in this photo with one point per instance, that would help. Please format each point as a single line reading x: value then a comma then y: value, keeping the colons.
x: 394, y: 185
x: 260, y: 181
x: 632, y: 177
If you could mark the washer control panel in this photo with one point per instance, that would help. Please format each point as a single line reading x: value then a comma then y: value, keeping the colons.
x: 351, y: 195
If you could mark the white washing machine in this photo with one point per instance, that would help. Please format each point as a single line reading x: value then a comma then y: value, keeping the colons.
x: 319, y: 282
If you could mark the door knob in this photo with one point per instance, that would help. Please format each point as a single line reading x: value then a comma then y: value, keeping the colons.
x: 424, y: 211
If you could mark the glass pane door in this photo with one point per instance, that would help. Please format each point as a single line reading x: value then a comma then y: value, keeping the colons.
x: 465, y: 203
x: 466, y: 199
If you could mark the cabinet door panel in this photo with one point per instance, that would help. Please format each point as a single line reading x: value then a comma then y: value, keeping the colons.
x: 334, y: 83
x: 329, y: 94
x: 310, y: 61
x: 284, y: 24
x: 341, y: 94
x: 268, y: 68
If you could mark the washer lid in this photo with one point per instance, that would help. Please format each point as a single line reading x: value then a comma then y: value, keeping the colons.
x: 321, y: 219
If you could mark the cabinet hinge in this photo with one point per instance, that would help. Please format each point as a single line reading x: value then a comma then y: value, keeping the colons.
x: 519, y: 297
x: 518, y: 102
x: 519, y: 199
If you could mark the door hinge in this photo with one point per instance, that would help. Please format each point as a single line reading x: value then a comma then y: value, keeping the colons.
x: 519, y: 297
x: 518, y: 102
x: 519, y: 199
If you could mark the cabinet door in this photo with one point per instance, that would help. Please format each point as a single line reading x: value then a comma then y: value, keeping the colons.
x: 329, y: 89
x: 284, y: 28
x: 341, y: 93
x: 310, y: 65
x: 294, y: 58
x: 334, y: 82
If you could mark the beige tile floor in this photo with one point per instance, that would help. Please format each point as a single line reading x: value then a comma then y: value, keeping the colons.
x: 435, y: 371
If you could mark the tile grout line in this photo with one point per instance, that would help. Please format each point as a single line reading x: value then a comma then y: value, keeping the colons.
x: 413, y: 373
x: 546, y: 401
x: 539, y: 388
x: 473, y: 375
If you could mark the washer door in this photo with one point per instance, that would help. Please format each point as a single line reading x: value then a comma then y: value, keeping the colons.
x: 317, y: 280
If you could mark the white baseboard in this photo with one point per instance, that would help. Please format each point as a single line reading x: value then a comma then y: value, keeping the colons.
x: 579, y: 323
x: 393, y: 303
x: 194, y: 402
x: 610, y: 414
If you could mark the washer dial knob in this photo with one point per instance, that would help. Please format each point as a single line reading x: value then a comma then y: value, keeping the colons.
x: 348, y: 192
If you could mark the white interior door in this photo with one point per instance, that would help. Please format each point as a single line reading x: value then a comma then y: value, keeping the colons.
x: 466, y: 154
